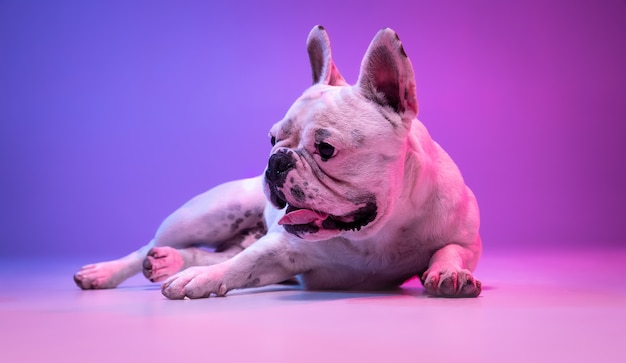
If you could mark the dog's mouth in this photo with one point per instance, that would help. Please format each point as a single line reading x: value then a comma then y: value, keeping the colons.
x: 301, y: 221
x: 314, y: 224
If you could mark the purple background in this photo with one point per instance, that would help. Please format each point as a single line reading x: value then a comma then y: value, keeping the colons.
x: 113, y: 114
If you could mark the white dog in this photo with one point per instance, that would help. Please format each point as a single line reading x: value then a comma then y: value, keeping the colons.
x: 360, y: 197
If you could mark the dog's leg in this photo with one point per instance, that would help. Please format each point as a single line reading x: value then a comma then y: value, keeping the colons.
x: 449, y: 272
x: 269, y: 261
x: 224, y: 218
x: 163, y: 262
x: 109, y: 274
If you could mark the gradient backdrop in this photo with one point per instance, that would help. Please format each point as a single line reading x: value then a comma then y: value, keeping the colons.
x: 114, y: 113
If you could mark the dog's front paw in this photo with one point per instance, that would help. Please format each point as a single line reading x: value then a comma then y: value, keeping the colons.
x: 451, y: 283
x: 195, y: 283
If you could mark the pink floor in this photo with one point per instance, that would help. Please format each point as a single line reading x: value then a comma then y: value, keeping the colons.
x: 535, y: 307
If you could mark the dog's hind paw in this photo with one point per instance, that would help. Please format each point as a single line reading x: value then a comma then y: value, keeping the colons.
x: 103, y: 275
x: 161, y: 263
x: 451, y: 283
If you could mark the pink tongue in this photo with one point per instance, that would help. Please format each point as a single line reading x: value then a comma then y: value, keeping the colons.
x: 302, y: 216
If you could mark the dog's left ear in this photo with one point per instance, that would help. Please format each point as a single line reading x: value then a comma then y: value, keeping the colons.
x: 387, y: 75
x: 322, y: 65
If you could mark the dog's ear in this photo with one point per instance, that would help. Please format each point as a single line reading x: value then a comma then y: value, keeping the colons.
x: 387, y: 75
x: 322, y: 65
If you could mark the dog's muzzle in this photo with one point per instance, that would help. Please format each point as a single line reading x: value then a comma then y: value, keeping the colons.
x: 299, y: 220
x: 278, y: 167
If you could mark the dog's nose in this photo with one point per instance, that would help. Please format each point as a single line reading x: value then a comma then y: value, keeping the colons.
x: 278, y: 166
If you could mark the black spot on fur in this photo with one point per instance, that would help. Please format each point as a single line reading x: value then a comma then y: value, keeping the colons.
x: 297, y: 193
x: 357, y: 137
x: 287, y: 127
x: 321, y: 135
x: 236, y: 224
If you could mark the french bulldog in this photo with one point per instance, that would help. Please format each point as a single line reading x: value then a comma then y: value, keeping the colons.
x: 356, y: 196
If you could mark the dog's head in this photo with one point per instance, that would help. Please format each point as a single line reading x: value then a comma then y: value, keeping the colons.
x: 337, y: 162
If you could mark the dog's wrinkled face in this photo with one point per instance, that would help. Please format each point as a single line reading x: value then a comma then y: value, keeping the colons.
x: 338, y: 155
x: 331, y: 163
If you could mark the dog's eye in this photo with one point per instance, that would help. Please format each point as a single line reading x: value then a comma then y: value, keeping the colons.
x: 273, y: 140
x: 325, y: 150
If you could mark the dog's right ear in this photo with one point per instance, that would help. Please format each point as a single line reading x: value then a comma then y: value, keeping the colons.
x: 322, y: 65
